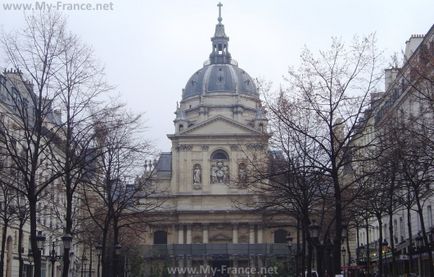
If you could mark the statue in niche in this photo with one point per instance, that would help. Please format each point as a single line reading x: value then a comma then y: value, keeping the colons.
x: 242, y: 173
x: 219, y: 173
x: 197, y: 178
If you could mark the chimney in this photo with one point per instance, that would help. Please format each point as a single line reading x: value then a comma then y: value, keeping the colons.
x: 29, y: 86
x: 57, y: 115
x: 411, y: 45
x: 390, y: 76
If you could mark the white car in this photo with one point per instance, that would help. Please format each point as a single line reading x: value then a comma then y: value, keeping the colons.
x: 312, y: 274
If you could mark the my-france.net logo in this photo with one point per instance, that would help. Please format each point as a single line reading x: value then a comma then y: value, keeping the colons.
x: 212, y: 271
x: 58, y: 6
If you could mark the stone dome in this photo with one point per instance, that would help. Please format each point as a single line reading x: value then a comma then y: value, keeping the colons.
x: 220, y: 74
x: 220, y: 78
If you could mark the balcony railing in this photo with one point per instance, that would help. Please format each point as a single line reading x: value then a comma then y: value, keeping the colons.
x: 216, y: 249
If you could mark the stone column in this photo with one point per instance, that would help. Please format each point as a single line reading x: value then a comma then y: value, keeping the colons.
x: 181, y: 234
x: 181, y: 261
x: 188, y: 237
x: 205, y: 233
x: 260, y: 233
x: 251, y: 233
x: 235, y: 233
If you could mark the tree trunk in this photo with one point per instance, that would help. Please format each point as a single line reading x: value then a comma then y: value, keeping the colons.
x: 68, y: 230
x: 297, y: 253
x: 90, y: 261
x: 33, y: 242
x: 309, y: 258
x: 20, y: 247
x: 410, y: 240
x: 104, y: 253
x: 380, y: 243
x: 368, y: 250
x: 348, y: 250
x: 392, y: 245
x: 303, y: 250
x: 4, y: 236
x: 338, y: 223
x: 426, y: 243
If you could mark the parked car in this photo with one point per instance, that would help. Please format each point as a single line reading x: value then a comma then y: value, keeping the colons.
x: 312, y: 274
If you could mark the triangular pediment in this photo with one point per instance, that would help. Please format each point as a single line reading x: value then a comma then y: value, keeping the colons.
x: 220, y: 125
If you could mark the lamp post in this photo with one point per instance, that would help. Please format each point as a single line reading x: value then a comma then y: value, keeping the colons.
x: 30, y: 258
x: 419, y: 244
x: 40, y: 240
x: 98, y: 248
x: 53, y: 258
x: 432, y: 236
x: 289, y: 241
x: 384, y: 246
x: 343, y: 251
x: 117, y: 258
x: 314, y: 231
x: 83, y: 260
x: 66, y: 240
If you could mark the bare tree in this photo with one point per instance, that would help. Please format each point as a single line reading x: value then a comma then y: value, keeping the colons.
x: 80, y: 85
x: 331, y: 91
x: 32, y: 51
x: 111, y: 195
x: 8, y: 214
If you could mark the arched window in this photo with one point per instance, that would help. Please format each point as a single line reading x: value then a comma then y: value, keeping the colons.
x: 280, y: 236
x: 160, y: 237
x: 219, y: 155
x: 181, y: 128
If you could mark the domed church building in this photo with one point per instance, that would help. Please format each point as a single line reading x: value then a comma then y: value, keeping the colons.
x: 220, y: 127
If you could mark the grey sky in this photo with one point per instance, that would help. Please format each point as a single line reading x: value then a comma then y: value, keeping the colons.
x: 151, y: 48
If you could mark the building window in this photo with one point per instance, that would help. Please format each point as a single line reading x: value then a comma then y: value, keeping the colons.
x: 220, y: 155
x: 430, y: 223
x: 280, y: 236
x: 401, y: 228
x: 160, y: 237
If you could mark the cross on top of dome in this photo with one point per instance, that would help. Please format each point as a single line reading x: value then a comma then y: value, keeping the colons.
x: 220, y: 53
x: 220, y: 12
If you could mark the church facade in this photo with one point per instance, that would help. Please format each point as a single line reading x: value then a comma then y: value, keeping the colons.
x: 208, y: 210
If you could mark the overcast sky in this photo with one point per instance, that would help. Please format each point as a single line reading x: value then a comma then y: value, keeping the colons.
x: 151, y: 48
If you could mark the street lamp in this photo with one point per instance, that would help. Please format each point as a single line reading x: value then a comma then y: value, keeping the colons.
x: 98, y: 248
x: 118, y: 249
x: 289, y: 241
x: 67, y: 239
x: 432, y: 237
x: 314, y: 230
x: 117, y: 258
x: 40, y: 239
x: 53, y: 258
x: 344, y: 232
x: 30, y: 256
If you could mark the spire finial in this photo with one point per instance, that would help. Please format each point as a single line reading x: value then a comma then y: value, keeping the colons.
x: 220, y: 12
